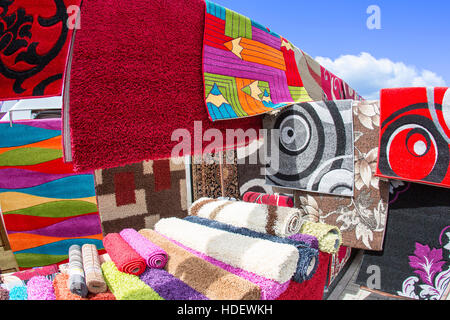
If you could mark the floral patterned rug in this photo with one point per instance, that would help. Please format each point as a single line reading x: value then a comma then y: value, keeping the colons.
x: 415, y: 262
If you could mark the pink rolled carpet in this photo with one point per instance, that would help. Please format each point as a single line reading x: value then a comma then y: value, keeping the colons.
x: 136, y: 77
x: 155, y: 257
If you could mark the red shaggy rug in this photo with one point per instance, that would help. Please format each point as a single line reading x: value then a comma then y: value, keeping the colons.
x: 136, y: 77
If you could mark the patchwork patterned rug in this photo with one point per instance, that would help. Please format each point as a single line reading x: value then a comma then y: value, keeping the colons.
x: 46, y: 206
x: 250, y: 70
x: 361, y: 218
x: 315, y: 149
x: 415, y: 262
x: 139, y: 195
x: 415, y: 135
x: 35, y: 40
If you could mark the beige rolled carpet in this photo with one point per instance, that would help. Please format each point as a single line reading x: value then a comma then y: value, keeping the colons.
x: 92, y: 270
x: 208, y: 279
x: 277, y: 221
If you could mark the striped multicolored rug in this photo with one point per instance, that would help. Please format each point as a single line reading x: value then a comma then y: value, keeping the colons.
x: 46, y: 206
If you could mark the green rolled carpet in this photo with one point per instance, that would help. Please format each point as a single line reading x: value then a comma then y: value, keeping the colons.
x: 126, y: 286
x: 329, y: 237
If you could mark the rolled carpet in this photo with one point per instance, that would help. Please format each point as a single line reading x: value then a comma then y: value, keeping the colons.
x: 62, y: 292
x: 40, y: 288
x: 123, y: 255
x: 4, y: 294
x: 308, y: 257
x: 269, y: 199
x: 306, y: 238
x: 76, y: 282
x: 210, y: 280
x: 277, y: 221
x: 18, y: 293
x: 275, y: 261
x: 92, y: 270
x: 329, y: 237
x: 154, y: 256
x: 168, y: 286
x: 126, y: 286
x: 270, y: 289
x: 312, y: 289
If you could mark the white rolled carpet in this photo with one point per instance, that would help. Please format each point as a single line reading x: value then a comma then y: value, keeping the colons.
x: 277, y: 221
x: 271, y: 260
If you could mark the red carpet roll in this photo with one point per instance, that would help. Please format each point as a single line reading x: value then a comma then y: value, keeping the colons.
x: 269, y: 199
x: 124, y: 257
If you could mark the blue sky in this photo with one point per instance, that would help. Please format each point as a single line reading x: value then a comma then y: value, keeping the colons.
x: 411, y: 49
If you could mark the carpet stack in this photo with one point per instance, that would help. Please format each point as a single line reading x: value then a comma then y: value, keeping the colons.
x: 271, y: 260
x: 307, y: 256
x: 130, y: 248
x: 213, y: 282
x: 185, y: 259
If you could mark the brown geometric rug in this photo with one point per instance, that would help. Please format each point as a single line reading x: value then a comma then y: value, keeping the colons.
x: 139, y: 195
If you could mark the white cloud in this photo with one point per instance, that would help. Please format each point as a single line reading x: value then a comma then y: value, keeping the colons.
x: 368, y: 75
